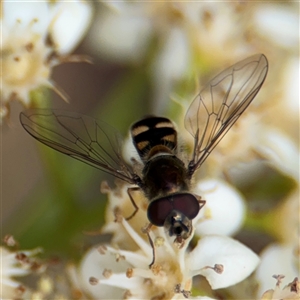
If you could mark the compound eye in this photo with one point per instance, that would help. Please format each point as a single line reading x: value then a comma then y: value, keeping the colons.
x: 158, y: 210
x: 187, y: 204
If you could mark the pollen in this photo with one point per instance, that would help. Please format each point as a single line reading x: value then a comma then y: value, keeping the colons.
x: 156, y: 268
x: 46, y: 285
x: 159, y: 241
x: 129, y: 272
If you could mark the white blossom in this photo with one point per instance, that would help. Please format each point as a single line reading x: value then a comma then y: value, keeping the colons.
x: 176, y: 33
x: 290, y: 291
x: 111, y: 272
x: 16, y: 264
x: 283, y: 256
x: 37, y: 36
x: 278, y: 23
x: 223, y: 202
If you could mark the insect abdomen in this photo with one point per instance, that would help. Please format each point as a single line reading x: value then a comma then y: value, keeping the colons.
x: 154, y: 135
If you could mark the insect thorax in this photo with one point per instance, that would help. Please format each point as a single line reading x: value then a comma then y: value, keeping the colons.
x: 164, y: 174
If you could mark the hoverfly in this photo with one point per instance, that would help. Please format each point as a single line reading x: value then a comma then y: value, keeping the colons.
x: 165, y: 179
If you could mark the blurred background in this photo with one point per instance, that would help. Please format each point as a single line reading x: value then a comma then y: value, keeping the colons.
x: 153, y: 58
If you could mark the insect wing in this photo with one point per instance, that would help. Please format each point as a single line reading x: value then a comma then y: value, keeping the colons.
x: 220, y: 104
x: 81, y: 137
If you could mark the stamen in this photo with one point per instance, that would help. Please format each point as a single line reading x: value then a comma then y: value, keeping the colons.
x: 279, y: 279
x: 159, y: 241
x: 22, y: 257
x: 118, y: 214
x: 156, y: 268
x: 21, y: 289
x: 127, y: 294
x: 143, y: 245
x: 104, y: 187
x: 102, y: 249
x: 186, y: 294
x: 120, y: 257
x: 75, y: 58
x: 129, y: 272
x: 107, y: 273
x: 178, y: 290
x: 9, y: 240
x: 138, y: 272
x: 294, y: 285
x: 218, y: 268
x: 59, y: 91
x: 93, y: 281
x: 117, y: 280
x: 132, y: 258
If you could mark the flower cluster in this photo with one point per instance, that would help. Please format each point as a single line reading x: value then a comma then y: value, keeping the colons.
x: 172, y: 41
x: 17, y: 264
x: 35, y: 38
x: 122, y: 270
x: 290, y: 291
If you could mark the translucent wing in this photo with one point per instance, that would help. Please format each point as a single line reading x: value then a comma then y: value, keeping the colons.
x: 81, y: 137
x: 220, y: 104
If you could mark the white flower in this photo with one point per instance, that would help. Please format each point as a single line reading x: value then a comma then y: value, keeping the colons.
x: 222, y: 202
x: 36, y: 36
x: 279, y: 24
x: 279, y: 151
x: 15, y: 264
x: 291, y: 91
x: 224, y: 210
x: 282, y: 257
x: 250, y: 145
x: 124, y: 29
x: 113, y: 273
x: 274, y: 259
x: 119, y: 198
x: 291, y: 291
x: 237, y: 260
x: 170, y: 38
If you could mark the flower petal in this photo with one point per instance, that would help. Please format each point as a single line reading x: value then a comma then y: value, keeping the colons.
x: 122, y: 35
x: 93, y: 265
x: 279, y: 24
x: 237, y: 260
x: 275, y: 259
x: 280, y: 151
x: 224, y: 209
x: 33, y: 15
x: 170, y: 65
x: 70, y: 24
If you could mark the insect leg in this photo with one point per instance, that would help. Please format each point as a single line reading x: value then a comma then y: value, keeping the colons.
x: 146, y: 230
x: 136, y: 208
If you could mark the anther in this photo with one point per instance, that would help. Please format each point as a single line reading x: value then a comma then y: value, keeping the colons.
x: 107, y: 273
x: 102, y: 249
x: 93, y: 281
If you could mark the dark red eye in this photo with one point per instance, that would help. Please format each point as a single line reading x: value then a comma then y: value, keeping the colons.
x: 158, y: 210
x: 186, y: 204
